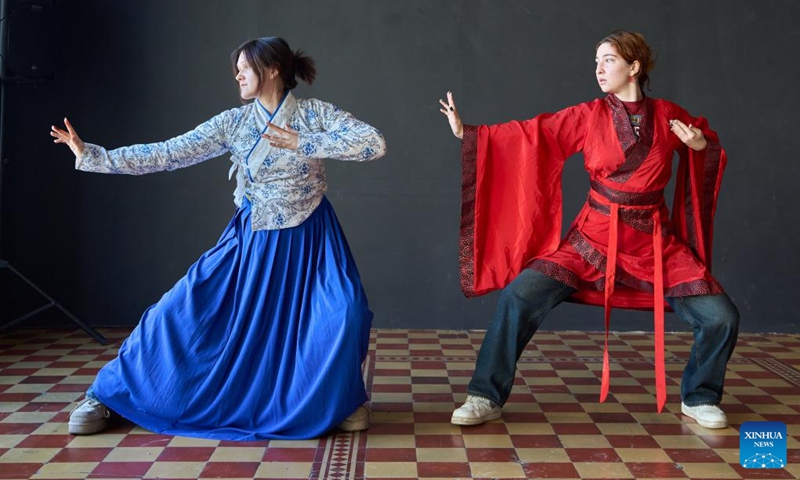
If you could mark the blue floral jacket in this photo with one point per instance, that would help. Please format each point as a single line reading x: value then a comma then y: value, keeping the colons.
x: 284, y: 186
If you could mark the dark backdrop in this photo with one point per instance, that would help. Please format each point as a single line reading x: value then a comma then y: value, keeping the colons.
x: 128, y: 72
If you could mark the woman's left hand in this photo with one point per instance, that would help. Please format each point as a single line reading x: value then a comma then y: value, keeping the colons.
x: 281, y: 137
x: 691, y: 136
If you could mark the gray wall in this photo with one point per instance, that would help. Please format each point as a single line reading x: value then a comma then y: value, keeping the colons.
x: 130, y: 72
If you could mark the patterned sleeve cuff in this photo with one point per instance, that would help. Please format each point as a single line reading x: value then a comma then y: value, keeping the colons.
x: 712, y: 148
x: 469, y: 163
x: 85, y: 160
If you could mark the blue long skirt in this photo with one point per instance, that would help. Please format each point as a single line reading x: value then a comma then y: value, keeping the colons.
x: 263, y: 338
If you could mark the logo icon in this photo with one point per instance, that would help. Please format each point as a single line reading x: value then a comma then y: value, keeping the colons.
x: 762, y: 445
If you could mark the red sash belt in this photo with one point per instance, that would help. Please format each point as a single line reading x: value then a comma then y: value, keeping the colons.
x: 632, y: 201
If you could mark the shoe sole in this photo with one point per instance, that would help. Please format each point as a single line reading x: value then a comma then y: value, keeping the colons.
x: 87, y: 428
x: 475, y: 421
x: 703, y: 423
x: 356, y: 426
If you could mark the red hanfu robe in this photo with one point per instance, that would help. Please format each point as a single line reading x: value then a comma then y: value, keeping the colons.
x: 623, y: 249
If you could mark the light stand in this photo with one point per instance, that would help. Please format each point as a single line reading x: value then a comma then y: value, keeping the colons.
x: 4, y: 264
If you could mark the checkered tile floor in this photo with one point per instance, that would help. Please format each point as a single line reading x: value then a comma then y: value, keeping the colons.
x: 552, y: 427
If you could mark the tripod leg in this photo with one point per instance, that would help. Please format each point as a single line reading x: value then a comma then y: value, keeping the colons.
x: 87, y: 328
x: 28, y: 315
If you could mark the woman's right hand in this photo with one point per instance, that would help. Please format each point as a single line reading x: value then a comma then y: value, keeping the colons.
x: 68, y: 137
x: 449, y: 110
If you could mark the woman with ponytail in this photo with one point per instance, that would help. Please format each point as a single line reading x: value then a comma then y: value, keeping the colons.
x: 265, y: 335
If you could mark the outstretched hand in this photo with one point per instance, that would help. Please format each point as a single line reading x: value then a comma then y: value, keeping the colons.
x: 450, y: 111
x: 281, y: 137
x: 69, y: 137
x: 691, y: 136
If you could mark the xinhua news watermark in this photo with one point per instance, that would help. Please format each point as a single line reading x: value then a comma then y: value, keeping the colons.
x: 762, y: 445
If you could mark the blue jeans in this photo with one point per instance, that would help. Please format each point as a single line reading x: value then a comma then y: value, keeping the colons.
x: 526, y: 301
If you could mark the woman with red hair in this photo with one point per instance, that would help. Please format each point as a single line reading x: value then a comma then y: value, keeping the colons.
x: 622, y: 250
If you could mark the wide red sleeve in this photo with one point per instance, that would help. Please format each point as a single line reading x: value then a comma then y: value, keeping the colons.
x: 511, y: 194
x: 697, y: 186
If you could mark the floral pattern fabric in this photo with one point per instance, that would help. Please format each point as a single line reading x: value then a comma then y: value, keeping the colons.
x: 284, y: 186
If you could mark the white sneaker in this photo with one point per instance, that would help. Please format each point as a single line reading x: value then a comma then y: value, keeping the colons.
x: 88, y: 417
x: 476, y: 410
x: 357, y: 421
x: 709, y: 416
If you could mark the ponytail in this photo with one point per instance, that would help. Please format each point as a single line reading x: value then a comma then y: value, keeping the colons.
x: 304, y: 68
